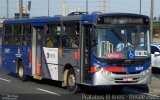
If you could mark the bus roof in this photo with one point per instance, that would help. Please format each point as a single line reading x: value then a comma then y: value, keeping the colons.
x: 124, y: 14
x: 32, y: 20
x: 85, y: 17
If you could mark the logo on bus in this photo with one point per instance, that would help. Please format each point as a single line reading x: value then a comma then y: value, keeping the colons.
x: 139, y: 68
x: 18, y: 51
x: 125, y: 70
x: 131, y: 54
x: 50, y: 55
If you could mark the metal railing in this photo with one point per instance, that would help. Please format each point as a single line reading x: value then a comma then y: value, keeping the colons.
x: 108, y: 47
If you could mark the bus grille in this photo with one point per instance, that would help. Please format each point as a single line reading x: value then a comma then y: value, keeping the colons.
x: 129, y: 63
x: 124, y: 73
x: 120, y: 80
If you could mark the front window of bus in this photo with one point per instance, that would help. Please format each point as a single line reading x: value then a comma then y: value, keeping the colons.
x: 122, y: 42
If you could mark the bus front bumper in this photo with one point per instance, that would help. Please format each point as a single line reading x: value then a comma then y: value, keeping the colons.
x: 103, y: 77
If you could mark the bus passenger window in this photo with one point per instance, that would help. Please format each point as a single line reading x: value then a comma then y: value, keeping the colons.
x: 58, y: 30
x: 70, y: 37
x: 74, y: 42
x: 8, y: 39
x: 53, y: 35
x: 17, y: 29
x: 17, y: 40
x: 66, y: 41
x: 49, y: 42
x: 26, y: 40
x: 57, y: 41
x: 8, y: 29
x: 26, y: 34
x: 27, y: 29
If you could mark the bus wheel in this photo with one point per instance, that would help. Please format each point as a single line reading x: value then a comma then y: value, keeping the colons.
x: 71, y: 82
x: 21, y: 72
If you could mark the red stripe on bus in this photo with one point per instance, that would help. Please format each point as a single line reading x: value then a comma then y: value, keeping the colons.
x: 38, y: 67
x: 114, y: 69
x: 93, y: 70
x: 111, y: 69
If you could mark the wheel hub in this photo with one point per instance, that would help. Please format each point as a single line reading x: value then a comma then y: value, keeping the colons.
x: 71, y: 80
x: 20, y: 72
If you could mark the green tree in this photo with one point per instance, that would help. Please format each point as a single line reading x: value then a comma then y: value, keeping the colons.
x: 156, y: 29
x: 155, y: 18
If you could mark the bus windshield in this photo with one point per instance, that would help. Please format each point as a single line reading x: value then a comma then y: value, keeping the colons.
x: 120, y: 42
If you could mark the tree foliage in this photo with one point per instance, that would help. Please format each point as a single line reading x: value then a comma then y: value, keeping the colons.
x: 156, y: 29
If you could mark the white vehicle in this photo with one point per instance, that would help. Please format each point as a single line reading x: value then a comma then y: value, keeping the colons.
x: 155, y: 55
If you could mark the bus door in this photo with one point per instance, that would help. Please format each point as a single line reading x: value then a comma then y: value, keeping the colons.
x: 86, y: 55
x: 37, y: 51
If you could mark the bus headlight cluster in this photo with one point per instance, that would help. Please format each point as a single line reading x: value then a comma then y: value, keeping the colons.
x: 97, y: 67
x: 145, y: 72
x: 106, y: 73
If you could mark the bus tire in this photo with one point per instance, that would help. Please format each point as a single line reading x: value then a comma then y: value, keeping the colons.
x: 21, y: 72
x: 71, y: 82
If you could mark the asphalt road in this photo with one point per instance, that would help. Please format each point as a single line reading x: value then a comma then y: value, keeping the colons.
x: 11, y: 88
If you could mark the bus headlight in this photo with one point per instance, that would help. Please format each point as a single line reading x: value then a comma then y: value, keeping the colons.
x: 97, y: 67
x: 106, y: 73
x: 143, y: 73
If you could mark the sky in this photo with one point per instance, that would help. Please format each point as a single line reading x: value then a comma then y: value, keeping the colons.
x: 40, y: 7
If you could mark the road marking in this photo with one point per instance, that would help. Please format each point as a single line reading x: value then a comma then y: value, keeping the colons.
x: 143, y: 93
x: 48, y: 91
x: 5, y: 80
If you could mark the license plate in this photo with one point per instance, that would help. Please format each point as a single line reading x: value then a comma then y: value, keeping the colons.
x: 127, y: 79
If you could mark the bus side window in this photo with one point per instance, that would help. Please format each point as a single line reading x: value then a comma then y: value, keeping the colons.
x: 8, y: 34
x: 17, y: 34
x: 26, y: 40
x: 66, y: 41
x: 49, y: 42
x: 70, y: 37
x: 75, y: 42
x: 16, y: 40
x: 52, y: 37
x: 8, y: 39
x: 26, y: 34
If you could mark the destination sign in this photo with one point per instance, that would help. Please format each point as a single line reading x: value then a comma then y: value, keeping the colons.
x: 122, y: 20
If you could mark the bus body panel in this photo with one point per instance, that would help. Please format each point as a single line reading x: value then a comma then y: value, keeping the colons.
x: 8, y: 60
x: 11, y: 56
x: 55, y: 63
x: 55, y: 60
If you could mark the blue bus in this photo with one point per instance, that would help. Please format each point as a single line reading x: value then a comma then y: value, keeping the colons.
x: 110, y: 49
